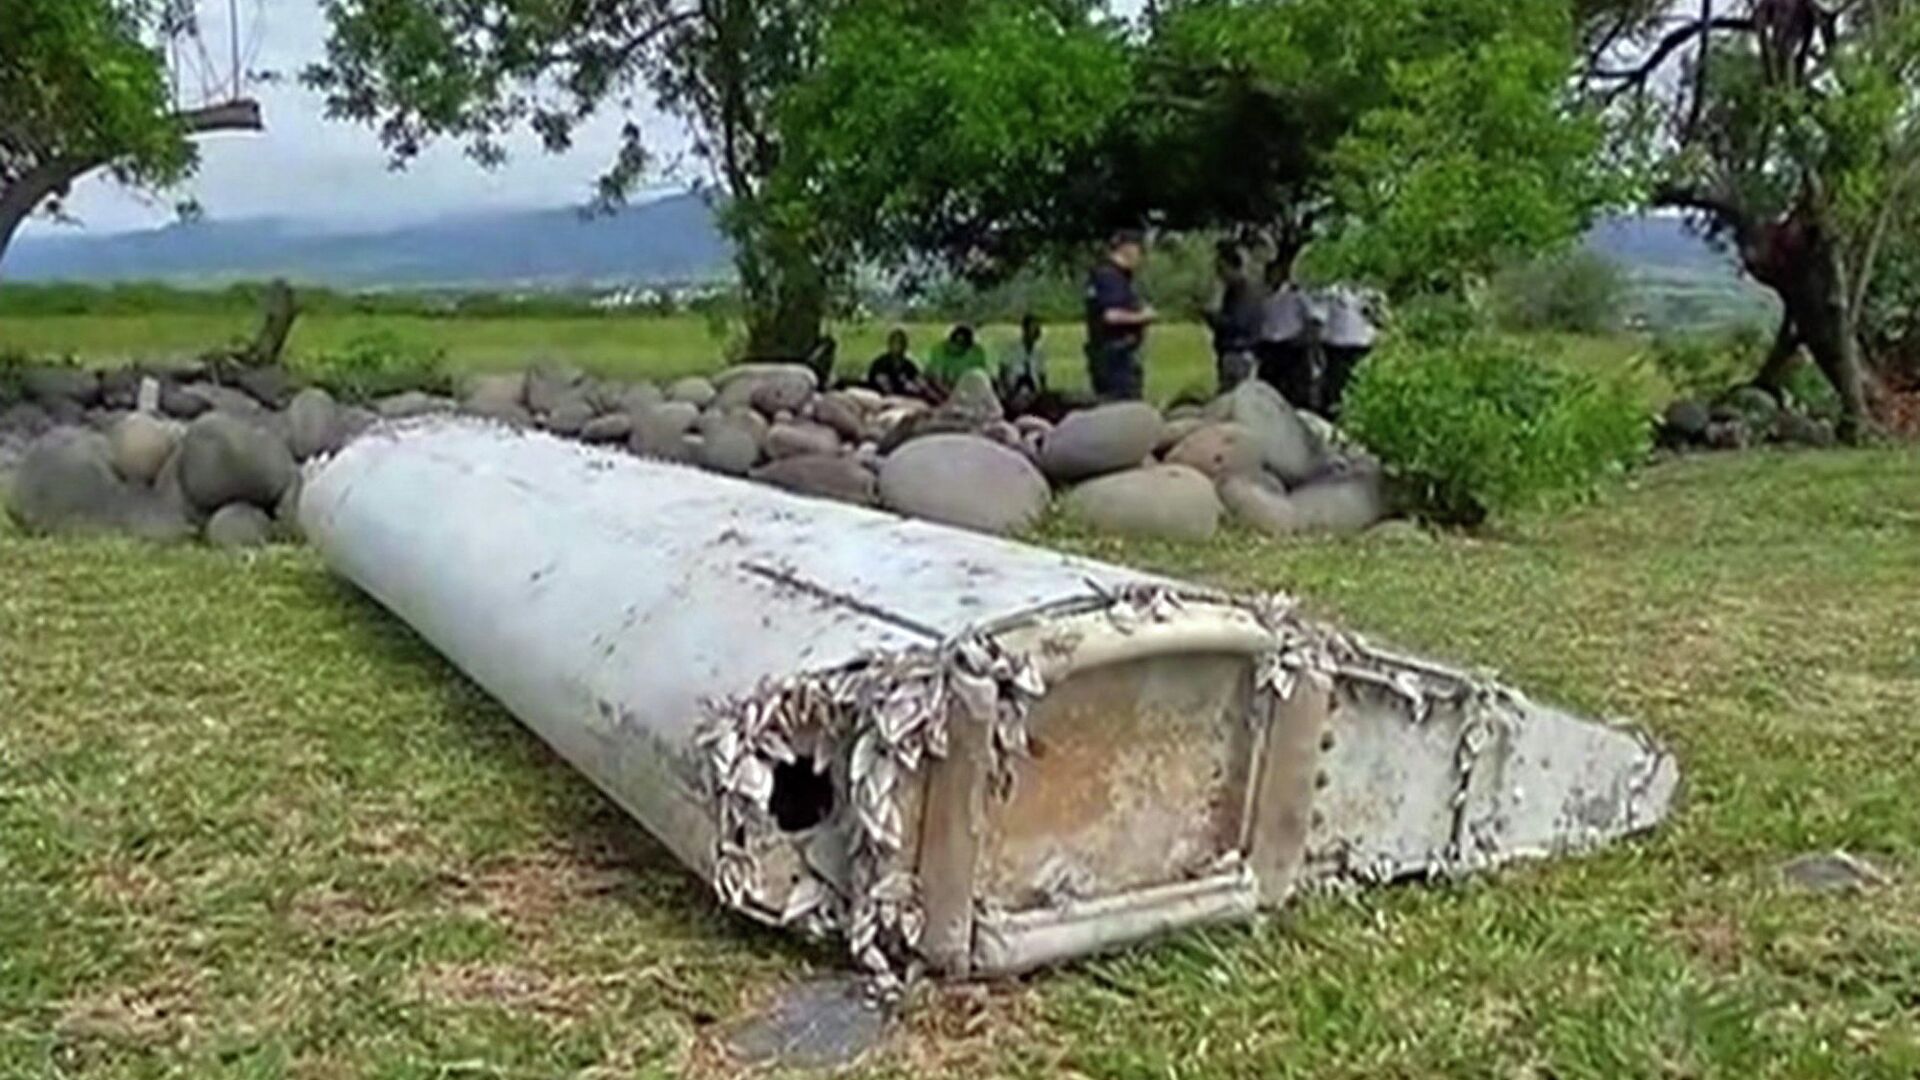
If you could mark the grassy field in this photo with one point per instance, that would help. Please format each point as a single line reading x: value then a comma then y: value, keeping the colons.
x: 249, y: 826
x: 1179, y: 357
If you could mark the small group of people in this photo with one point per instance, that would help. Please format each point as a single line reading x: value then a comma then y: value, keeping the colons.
x: 1306, y: 344
x: 1020, y: 376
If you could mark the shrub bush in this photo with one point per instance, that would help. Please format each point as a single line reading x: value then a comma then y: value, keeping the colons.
x: 1479, y: 428
x: 376, y: 365
x: 1578, y: 292
x: 1704, y: 366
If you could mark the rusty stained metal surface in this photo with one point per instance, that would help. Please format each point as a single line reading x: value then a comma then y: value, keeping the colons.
x: 953, y: 751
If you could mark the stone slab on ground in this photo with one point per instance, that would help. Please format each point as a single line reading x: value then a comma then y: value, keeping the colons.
x: 825, y: 1024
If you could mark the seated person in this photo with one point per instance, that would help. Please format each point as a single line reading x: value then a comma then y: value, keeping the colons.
x: 893, y: 372
x: 956, y: 356
x: 1023, y: 369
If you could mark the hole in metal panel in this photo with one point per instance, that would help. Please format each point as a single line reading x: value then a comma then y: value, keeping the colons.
x: 802, y: 796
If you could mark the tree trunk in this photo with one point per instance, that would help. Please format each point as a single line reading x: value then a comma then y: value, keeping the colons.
x: 1799, y: 260
x: 786, y: 289
x: 1780, y: 358
x: 20, y: 200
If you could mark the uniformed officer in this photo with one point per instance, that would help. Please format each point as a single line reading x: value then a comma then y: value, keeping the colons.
x: 1117, y: 321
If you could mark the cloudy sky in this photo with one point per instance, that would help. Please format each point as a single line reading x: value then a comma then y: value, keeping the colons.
x: 334, y: 175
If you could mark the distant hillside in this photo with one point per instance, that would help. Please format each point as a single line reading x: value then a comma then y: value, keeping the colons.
x: 1678, y: 280
x: 1664, y: 243
x: 672, y: 239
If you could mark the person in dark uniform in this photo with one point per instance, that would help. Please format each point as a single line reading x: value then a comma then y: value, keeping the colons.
x: 1117, y: 321
x: 893, y: 372
x: 1235, y: 320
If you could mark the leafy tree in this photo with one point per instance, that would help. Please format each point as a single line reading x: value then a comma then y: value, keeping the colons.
x: 1787, y: 128
x: 81, y: 90
x: 475, y: 70
x: 1420, y: 141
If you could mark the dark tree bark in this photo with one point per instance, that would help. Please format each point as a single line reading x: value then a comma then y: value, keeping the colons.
x: 276, y: 322
x: 1780, y: 358
x: 1798, y: 258
x: 26, y: 194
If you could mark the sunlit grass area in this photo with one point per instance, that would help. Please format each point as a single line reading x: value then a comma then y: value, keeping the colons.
x: 250, y: 826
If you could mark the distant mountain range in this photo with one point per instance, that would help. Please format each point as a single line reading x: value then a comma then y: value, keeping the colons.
x: 672, y: 239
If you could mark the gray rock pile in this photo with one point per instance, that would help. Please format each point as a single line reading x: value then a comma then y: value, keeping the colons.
x: 1743, y: 417
x: 180, y: 455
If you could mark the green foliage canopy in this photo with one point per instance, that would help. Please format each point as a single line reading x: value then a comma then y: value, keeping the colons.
x: 1420, y: 142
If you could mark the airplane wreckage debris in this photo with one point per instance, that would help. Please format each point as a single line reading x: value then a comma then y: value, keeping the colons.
x: 958, y: 753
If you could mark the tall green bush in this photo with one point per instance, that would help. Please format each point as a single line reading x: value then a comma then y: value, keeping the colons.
x: 1479, y: 428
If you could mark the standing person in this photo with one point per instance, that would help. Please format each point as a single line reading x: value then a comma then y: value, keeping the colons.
x: 1286, y: 361
x: 1345, y: 340
x: 893, y: 372
x: 956, y: 356
x: 1023, y: 368
x: 1235, y: 319
x: 1117, y: 321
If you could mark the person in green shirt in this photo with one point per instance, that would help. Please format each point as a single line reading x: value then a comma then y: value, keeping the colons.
x: 956, y: 356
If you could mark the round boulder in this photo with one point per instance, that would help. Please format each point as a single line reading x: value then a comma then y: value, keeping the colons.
x: 973, y: 400
x: 801, y: 439
x: 551, y: 385
x: 839, y: 413
x: 225, y: 459
x: 824, y: 476
x: 1685, y: 423
x: 1176, y: 433
x: 1349, y: 503
x: 489, y: 395
x: 67, y: 484
x: 239, y: 525
x: 771, y: 388
x: 270, y: 385
x: 1101, y: 440
x: 637, y: 396
x: 727, y: 445
x: 693, y: 390
x: 1219, y: 451
x: 964, y: 480
x: 570, y: 415
x: 141, y: 445
x: 1287, y: 447
x: 615, y: 427
x: 182, y: 402
x: 25, y: 419
x: 1166, y: 502
x: 59, y: 383
x: 1260, y: 502
x: 660, y: 432
x: 412, y: 403
x: 313, y: 424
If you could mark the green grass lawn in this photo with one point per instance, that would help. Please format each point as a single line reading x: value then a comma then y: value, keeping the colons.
x: 1179, y: 357
x: 249, y: 826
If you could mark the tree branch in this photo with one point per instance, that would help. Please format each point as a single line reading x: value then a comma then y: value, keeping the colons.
x: 1636, y: 76
x: 58, y: 173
